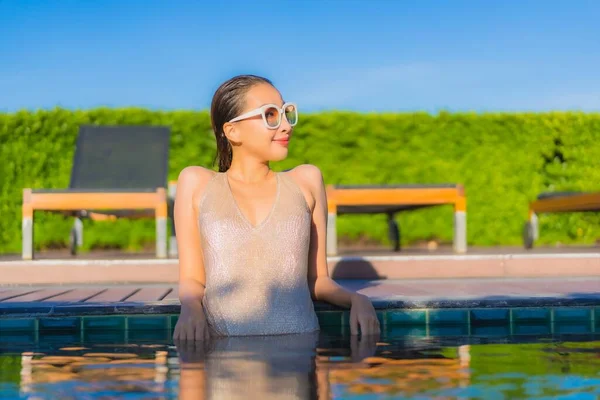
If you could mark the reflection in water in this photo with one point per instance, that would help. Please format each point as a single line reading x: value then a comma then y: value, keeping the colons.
x: 268, y: 367
x: 307, y: 366
x: 79, y: 371
x: 382, y: 375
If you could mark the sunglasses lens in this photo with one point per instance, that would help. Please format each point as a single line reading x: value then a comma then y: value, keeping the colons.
x: 272, y: 116
x: 291, y: 113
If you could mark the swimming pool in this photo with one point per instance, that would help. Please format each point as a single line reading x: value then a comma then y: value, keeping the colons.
x: 458, y: 353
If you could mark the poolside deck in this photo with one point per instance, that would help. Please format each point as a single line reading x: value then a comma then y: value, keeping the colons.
x: 116, y: 283
x: 429, y: 293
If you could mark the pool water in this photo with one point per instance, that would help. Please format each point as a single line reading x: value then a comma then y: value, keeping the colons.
x: 307, y: 366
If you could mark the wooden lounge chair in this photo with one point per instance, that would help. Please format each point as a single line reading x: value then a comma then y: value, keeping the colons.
x: 556, y: 202
x: 117, y: 172
x: 390, y: 199
x: 386, y: 199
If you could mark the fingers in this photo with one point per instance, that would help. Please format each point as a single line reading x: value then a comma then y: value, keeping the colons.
x: 355, y: 349
x: 181, y: 332
x: 365, y: 326
x: 190, y: 352
x: 371, y: 329
x: 196, y: 331
x: 369, y: 325
x: 353, y: 323
x: 189, y: 332
x: 201, y: 332
x: 375, y: 328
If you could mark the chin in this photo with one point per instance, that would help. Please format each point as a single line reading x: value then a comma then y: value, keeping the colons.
x: 279, y: 155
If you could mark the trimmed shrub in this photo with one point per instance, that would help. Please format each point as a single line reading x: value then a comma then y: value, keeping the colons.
x: 504, y: 160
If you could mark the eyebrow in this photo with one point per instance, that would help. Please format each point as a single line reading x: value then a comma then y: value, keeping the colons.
x: 264, y: 104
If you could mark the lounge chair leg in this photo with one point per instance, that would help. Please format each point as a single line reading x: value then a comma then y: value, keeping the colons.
x: 161, y: 237
x: 535, y: 226
x: 27, y: 243
x: 173, y: 252
x: 393, y: 232
x: 460, y: 231
x: 531, y: 231
x: 27, y: 226
x: 331, y: 234
x: 76, y: 239
x: 460, y: 222
x: 161, y: 224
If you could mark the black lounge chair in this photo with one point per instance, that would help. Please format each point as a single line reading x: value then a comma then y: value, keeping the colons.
x: 117, y: 172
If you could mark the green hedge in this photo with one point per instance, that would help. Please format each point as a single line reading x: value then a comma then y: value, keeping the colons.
x: 504, y: 161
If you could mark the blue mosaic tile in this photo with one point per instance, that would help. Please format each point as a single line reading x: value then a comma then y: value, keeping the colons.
x: 335, y: 330
x: 108, y: 336
x: 113, y: 322
x: 569, y: 314
x: 57, y: 336
x: 492, y: 330
x: 448, y: 316
x: 573, y: 327
x: 147, y: 322
x: 490, y: 316
x: 449, y: 330
x: 396, y: 331
x: 174, y: 319
x: 531, y: 315
x: 17, y: 324
x: 14, y: 337
x: 330, y: 318
x: 406, y: 317
x: 381, y: 316
x: 63, y: 323
x: 148, y: 335
x: 532, y: 329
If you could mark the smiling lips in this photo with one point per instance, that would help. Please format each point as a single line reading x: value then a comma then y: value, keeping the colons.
x: 283, y: 142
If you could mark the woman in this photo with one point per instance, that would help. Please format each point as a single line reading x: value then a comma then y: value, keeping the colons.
x: 269, y: 367
x: 252, y: 241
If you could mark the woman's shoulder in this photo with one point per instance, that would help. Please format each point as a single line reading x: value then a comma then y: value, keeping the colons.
x: 194, y: 175
x: 192, y: 181
x: 307, y: 172
x: 307, y: 176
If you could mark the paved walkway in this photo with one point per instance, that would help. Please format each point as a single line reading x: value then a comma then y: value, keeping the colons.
x: 138, y: 271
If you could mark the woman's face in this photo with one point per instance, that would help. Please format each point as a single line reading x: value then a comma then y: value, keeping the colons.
x: 252, y: 136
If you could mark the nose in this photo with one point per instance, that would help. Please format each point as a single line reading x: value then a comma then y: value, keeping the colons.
x: 285, y: 125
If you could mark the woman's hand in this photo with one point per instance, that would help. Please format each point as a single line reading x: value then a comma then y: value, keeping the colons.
x: 363, y: 348
x: 191, y: 324
x: 191, y: 353
x: 362, y: 313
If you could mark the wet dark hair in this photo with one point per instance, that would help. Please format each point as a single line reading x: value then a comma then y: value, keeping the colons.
x: 227, y: 103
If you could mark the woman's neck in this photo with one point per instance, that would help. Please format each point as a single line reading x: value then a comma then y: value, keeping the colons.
x: 249, y: 172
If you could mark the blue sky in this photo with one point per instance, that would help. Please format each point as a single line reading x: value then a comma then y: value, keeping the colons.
x: 372, y: 55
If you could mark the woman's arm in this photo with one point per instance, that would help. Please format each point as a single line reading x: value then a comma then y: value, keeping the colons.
x: 190, y: 186
x: 322, y: 287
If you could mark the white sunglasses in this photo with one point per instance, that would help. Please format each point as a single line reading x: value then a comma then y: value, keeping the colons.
x: 272, y: 115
